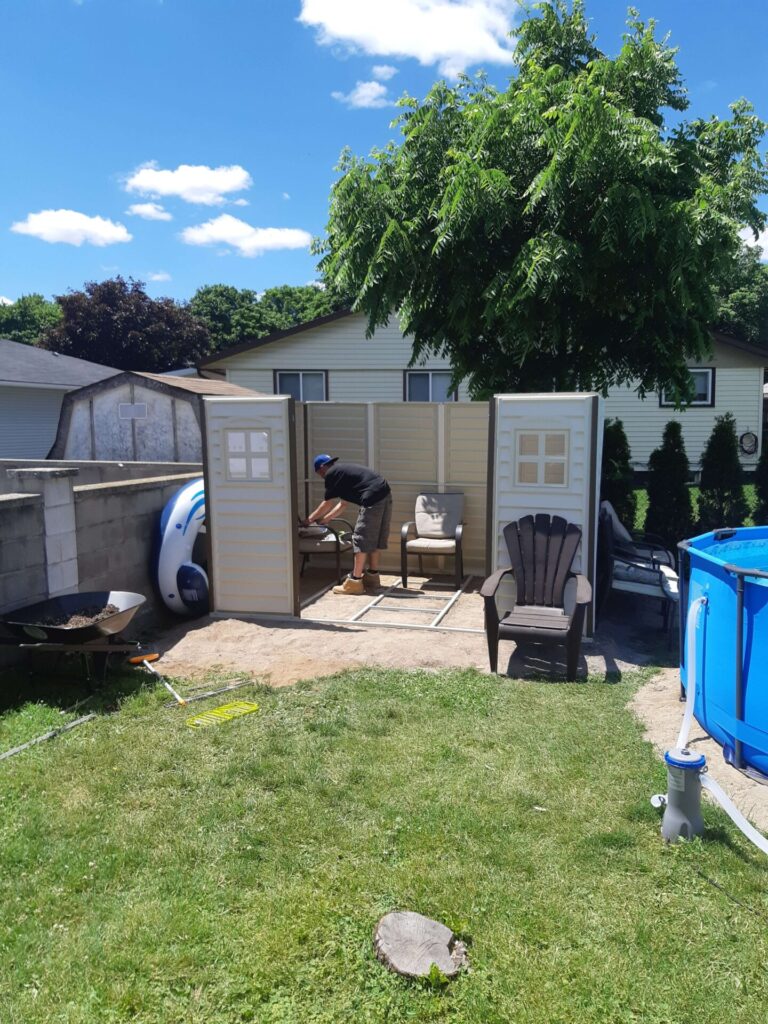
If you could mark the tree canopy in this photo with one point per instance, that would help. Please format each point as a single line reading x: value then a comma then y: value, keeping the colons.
x: 233, y: 315
x: 742, y: 298
x: 558, y: 233
x: 116, y: 323
x: 28, y: 318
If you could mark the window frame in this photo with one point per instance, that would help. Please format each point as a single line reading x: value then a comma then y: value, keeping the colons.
x: 665, y: 403
x: 407, y: 373
x: 276, y: 382
x: 541, y: 458
x: 247, y: 453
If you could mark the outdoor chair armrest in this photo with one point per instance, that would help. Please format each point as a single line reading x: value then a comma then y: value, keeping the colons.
x: 578, y: 594
x: 406, y: 529
x: 657, y: 547
x: 349, y: 526
x: 459, y: 531
x: 491, y: 585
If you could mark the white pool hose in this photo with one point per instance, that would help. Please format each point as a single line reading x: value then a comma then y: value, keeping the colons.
x: 734, y: 813
x: 691, y: 624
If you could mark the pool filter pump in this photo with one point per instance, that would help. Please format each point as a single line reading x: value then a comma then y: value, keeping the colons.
x: 682, y: 805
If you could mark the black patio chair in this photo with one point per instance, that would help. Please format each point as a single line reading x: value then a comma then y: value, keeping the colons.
x: 550, y: 600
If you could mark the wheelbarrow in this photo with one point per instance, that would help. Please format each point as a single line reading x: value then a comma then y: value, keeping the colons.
x: 34, y: 628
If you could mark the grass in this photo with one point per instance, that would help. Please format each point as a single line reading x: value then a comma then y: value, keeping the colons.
x: 641, y: 504
x: 155, y: 874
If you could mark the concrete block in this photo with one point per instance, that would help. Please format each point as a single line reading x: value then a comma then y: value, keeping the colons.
x: 21, y: 588
x: 59, y: 519
x: 22, y: 553
x: 61, y: 547
x: 57, y: 492
x: 63, y: 578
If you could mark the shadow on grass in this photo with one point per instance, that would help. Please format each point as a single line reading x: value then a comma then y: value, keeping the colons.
x: 60, y: 681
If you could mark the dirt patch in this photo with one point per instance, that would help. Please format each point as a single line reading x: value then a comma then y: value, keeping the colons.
x: 657, y: 705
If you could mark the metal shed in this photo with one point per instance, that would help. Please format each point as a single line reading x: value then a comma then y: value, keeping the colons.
x: 137, y: 417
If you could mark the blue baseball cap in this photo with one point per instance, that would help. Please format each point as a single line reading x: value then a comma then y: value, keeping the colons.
x: 324, y: 460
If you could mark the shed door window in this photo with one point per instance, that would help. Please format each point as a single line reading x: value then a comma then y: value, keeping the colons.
x: 542, y: 458
x: 249, y: 454
x: 703, y: 388
x: 303, y: 385
x: 429, y: 386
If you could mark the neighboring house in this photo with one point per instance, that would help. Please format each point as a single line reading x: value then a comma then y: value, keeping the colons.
x: 330, y: 359
x: 731, y: 381
x: 33, y: 383
x: 137, y: 417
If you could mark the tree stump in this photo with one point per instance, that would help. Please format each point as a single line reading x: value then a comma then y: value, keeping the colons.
x: 409, y: 944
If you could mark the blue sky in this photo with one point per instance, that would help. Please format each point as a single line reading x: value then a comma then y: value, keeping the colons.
x: 191, y: 142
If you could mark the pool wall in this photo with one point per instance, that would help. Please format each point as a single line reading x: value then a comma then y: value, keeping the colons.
x: 730, y: 569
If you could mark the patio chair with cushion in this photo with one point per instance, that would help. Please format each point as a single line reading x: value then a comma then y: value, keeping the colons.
x: 550, y: 600
x: 643, y: 568
x: 438, y: 527
x: 325, y: 540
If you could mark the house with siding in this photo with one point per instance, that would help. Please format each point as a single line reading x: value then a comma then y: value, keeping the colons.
x: 33, y: 383
x: 330, y: 359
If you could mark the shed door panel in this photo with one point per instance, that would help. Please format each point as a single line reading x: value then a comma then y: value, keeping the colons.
x: 252, y: 521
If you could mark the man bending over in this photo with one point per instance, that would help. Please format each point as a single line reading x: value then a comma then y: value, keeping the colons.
x: 345, y: 483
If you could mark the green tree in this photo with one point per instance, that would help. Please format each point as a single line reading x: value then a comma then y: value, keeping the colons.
x: 558, y: 233
x: 721, y: 498
x: 116, y: 323
x: 233, y: 315
x: 742, y: 295
x: 617, y: 481
x: 670, y: 512
x: 28, y: 318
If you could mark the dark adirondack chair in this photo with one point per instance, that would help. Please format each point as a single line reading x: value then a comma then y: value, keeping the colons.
x: 551, y: 600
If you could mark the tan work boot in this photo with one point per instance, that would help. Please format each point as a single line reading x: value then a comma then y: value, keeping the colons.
x: 371, y: 580
x: 350, y: 586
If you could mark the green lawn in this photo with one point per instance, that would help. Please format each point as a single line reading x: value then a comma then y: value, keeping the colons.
x: 155, y: 874
x: 641, y: 505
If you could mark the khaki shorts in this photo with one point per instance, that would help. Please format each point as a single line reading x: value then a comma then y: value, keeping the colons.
x: 371, y: 531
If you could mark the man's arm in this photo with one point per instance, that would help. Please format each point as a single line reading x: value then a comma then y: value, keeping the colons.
x: 323, y: 511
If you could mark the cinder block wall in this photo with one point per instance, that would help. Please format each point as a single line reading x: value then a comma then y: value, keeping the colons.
x: 116, y: 525
x: 98, y: 472
x: 23, y: 578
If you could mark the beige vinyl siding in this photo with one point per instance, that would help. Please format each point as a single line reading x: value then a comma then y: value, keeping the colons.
x: 359, y: 368
x: 738, y: 390
x: 252, y: 523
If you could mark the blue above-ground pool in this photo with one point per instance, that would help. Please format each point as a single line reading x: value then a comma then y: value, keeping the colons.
x: 729, y: 656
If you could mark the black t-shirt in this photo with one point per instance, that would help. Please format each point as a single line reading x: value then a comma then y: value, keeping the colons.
x: 356, y: 484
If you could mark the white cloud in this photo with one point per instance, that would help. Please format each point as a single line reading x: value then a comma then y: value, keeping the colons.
x: 71, y: 227
x: 383, y: 72
x: 761, y: 243
x: 149, y: 211
x: 365, y: 95
x: 194, y: 183
x: 248, y: 241
x: 240, y: 202
x: 286, y: 195
x: 453, y: 34
x: 5, y: 302
x: 160, y: 275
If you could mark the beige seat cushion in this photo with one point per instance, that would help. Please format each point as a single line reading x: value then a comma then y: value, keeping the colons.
x: 438, y: 515
x: 431, y: 546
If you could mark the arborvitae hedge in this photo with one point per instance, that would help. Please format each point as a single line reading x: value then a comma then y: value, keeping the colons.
x: 670, y: 511
x: 618, y: 479
x: 721, y: 499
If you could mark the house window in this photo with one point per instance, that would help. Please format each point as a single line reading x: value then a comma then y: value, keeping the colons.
x: 541, y: 458
x: 703, y: 389
x: 249, y: 454
x: 429, y: 386
x: 303, y: 385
